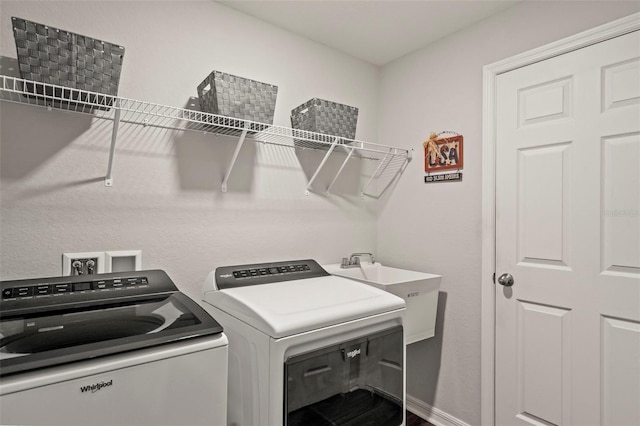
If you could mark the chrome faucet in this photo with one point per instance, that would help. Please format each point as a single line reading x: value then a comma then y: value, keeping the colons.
x: 354, y: 260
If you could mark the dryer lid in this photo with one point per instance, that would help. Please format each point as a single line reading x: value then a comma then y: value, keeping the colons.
x: 281, y: 309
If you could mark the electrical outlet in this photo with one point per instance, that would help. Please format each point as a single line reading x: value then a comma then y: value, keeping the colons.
x: 88, y: 263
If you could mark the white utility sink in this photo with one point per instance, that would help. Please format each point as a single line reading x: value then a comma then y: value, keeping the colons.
x: 418, y: 289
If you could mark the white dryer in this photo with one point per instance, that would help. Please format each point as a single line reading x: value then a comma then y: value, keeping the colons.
x: 308, y: 348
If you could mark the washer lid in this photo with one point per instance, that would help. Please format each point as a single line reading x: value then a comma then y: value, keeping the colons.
x: 51, y: 321
x: 285, y: 308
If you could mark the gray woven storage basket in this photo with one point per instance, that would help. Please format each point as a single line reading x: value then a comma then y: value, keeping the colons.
x: 321, y: 116
x: 55, y: 56
x: 237, y: 97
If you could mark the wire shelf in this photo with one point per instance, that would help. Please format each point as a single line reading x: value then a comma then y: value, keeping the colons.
x: 118, y: 109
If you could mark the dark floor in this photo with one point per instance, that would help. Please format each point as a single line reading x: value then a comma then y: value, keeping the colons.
x: 413, y: 420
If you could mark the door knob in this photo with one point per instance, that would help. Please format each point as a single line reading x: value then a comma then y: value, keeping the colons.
x: 506, y: 280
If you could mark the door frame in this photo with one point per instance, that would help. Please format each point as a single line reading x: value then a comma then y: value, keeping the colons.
x: 489, y: 130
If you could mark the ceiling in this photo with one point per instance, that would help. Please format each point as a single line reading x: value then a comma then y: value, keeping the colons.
x: 376, y: 31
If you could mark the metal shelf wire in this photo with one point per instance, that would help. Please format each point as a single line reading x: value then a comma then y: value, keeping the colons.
x: 390, y: 161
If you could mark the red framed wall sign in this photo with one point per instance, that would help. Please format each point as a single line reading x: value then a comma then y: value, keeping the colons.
x: 443, y: 154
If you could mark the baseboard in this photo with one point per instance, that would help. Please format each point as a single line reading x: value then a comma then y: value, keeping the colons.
x: 432, y: 414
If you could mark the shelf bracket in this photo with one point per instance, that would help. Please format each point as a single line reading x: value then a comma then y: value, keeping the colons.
x: 322, y: 163
x: 235, y: 156
x: 383, y: 162
x: 108, y: 181
x: 344, y: 163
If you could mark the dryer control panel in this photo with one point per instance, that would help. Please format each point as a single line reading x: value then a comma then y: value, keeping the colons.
x: 266, y: 273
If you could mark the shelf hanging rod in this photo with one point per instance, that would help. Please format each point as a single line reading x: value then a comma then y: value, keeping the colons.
x: 235, y: 156
x: 322, y: 163
x: 108, y: 181
x: 344, y: 163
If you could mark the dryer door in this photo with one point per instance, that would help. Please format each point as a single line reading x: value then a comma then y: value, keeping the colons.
x: 358, y: 382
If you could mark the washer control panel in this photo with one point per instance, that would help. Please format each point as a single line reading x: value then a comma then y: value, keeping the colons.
x: 45, y: 289
x: 266, y: 273
x: 41, y: 294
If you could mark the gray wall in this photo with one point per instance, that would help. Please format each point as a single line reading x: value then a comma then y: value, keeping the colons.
x: 437, y: 227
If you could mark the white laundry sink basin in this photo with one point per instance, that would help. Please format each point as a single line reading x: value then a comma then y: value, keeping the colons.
x: 418, y: 289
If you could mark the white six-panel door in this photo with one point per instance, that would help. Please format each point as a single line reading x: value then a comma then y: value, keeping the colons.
x: 568, y: 231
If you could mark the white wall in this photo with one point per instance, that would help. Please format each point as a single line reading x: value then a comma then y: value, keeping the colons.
x: 166, y: 199
x: 437, y: 227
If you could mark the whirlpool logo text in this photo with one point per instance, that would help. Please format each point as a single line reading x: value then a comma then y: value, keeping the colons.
x: 353, y: 353
x: 96, y: 387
